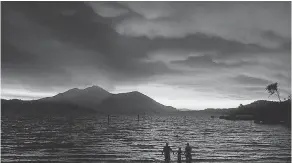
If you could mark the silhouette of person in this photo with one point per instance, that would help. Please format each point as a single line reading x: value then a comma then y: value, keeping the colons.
x: 166, y: 151
x: 188, y: 153
x: 179, y: 152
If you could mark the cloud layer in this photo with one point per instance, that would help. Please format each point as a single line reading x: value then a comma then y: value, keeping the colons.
x: 205, y: 50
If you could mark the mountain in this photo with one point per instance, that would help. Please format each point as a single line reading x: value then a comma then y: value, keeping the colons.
x: 259, y: 103
x: 36, y: 107
x: 270, y: 112
x: 89, y: 97
x: 132, y: 102
x: 253, y: 107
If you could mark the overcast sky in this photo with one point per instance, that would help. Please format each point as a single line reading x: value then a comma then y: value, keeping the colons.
x: 191, y: 55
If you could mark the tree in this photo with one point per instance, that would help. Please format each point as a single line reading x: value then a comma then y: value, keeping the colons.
x: 272, y: 89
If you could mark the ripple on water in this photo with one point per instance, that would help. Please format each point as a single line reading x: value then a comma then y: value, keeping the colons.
x: 92, y: 139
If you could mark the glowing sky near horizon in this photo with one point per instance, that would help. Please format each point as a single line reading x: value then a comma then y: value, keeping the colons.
x: 191, y: 55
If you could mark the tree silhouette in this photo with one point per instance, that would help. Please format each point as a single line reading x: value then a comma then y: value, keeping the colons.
x: 272, y: 89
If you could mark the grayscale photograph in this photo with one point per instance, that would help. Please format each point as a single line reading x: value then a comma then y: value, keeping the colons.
x: 146, y: 81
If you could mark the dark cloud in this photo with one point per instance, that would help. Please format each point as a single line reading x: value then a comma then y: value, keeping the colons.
x: 206, y: 62
x: 273, y: 36
x: 96, y: 43
x: 85, y: 30
x: 50, y: 46
x: 249, y: 80
x: 231, y: 20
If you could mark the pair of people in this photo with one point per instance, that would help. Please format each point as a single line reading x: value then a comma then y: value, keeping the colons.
x: 188, y: 153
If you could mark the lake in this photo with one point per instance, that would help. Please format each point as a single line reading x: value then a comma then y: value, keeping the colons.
x: 90, y: 138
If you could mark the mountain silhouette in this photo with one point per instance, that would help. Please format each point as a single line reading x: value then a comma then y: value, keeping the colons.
x: 259, y: 103
x: 89, y: 97
x: 36, y: 107
x: 253, y: 106
x: 132, y: 102
x: 269, y: 112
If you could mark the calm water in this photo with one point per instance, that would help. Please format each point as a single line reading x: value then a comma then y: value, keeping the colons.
x: 92, y: 139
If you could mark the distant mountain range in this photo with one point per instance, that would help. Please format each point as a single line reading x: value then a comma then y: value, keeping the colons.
x: 132, y: 102
x: 244, y: 109
x: 91, y: 99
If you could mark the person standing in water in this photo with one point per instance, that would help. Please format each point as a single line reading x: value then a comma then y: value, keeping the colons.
x: 166, y: 151
x: 188, y: 153
x: 179, y: 152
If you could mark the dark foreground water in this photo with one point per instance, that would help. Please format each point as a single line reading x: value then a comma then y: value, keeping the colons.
x: 92, y: 139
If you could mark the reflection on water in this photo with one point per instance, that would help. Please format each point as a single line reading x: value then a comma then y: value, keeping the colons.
x: 92, y: 139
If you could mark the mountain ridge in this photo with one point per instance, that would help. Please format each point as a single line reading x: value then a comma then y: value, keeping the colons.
x: 102, y: 101
x: 88, y: 97
x: 132, y: 102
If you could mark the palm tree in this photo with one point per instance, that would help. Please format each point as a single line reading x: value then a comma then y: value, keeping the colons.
x: 272, y: 89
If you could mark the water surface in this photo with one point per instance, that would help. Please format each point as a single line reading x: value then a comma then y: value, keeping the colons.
x: 89, y: 138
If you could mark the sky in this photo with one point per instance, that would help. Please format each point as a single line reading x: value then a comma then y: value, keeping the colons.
x: 190, y: 55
